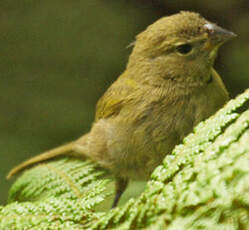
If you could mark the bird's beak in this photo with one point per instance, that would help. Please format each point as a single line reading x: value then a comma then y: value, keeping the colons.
x: 216, y: 36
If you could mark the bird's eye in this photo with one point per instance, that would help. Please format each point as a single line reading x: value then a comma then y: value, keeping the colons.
x: 184, y: 49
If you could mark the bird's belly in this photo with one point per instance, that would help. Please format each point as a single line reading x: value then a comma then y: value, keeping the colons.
x: 137, y: 150
x: 145, y: 146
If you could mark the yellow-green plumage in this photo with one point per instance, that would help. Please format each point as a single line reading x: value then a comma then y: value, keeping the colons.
x: 168, y: 87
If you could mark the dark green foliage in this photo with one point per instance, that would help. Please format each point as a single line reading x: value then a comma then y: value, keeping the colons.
x: 203, y: 184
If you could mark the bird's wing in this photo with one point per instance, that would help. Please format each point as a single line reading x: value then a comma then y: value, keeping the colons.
x: 114, y: 99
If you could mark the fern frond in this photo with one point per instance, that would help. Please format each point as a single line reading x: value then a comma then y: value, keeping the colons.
x: 50, y: 213
x: 65, y: 178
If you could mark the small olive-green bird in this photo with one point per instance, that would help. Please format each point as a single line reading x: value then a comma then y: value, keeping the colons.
x: 168, y: 87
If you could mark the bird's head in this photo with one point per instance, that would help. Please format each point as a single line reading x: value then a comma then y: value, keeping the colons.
x: 181, y: 47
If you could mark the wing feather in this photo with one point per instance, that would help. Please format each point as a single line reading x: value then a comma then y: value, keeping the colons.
x: 114, y: 99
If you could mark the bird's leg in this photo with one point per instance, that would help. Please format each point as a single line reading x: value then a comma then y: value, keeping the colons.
x: 120, y: 186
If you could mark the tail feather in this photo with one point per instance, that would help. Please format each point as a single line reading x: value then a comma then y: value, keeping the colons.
x: 61, y: 150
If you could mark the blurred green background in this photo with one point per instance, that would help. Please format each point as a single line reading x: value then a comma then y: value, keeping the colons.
x: 58, y: 57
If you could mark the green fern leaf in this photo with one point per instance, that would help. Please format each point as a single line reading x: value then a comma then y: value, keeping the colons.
x: 50, y: 213
x: 66, y: 178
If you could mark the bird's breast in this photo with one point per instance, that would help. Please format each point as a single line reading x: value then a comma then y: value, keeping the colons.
x: 149, y: 126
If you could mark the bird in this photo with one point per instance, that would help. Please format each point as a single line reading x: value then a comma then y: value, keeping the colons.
x: 168, y: 87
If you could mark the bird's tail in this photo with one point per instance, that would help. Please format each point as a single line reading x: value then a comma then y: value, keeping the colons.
x: 61, y: 150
